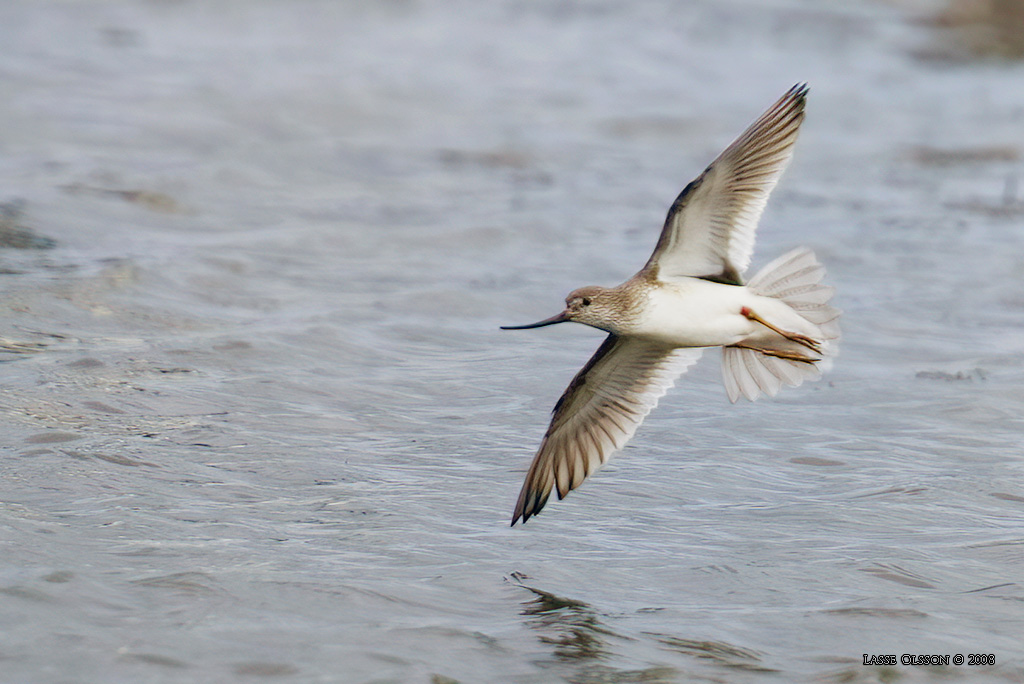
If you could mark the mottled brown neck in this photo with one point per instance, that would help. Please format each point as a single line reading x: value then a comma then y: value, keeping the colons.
x: 630, y: 297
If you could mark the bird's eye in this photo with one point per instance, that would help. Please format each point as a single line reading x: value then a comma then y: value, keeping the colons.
x: 586, y: 301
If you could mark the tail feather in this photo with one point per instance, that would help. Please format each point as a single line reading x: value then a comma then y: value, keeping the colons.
x: 795, y: 278
x: 749, y: 373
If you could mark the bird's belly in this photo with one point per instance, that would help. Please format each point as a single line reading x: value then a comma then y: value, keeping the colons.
x: 695, y: 314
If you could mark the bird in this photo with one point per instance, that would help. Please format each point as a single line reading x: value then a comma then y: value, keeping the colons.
x: 774, y: 329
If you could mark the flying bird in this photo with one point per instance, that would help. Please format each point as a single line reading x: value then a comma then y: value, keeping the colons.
x: 774, y: 329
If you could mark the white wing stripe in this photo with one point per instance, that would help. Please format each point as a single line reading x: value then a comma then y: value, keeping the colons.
x: 602, y: 408
x: 709, y: 231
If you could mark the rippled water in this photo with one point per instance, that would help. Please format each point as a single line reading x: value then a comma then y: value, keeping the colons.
x: 260, y: 423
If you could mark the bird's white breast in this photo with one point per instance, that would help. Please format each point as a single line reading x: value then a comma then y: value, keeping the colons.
x: 690, y: 312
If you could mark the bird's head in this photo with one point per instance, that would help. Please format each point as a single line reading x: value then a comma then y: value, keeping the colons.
x: 592, y: 305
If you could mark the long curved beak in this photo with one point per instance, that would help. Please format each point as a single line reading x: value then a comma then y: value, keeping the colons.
x: 557, y: 318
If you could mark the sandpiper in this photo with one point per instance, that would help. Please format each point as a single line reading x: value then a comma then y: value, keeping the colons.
x: 690, y: 295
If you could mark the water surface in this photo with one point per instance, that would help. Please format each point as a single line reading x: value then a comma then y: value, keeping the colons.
x: 260, y: 423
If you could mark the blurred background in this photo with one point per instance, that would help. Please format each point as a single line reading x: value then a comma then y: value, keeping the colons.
x: 258, y: 420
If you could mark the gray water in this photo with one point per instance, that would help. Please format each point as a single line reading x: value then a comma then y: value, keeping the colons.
x: 259, y: 423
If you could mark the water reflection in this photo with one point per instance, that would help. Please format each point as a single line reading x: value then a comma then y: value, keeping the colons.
x: 571, y: 627
x: 727, y: 655
x: 577, y: 633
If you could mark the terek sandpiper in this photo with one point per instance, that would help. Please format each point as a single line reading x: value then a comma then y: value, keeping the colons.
x: 773, y: 329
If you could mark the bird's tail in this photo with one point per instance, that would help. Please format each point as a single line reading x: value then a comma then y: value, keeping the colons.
x: 794, y: 278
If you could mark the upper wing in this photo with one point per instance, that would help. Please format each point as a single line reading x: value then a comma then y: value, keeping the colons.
x: 710, y: 227
x: 598, y: 413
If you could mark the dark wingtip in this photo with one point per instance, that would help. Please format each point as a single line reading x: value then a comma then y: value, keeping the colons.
x: 527, y: 508
x: 520, y: 512
x: 519, y: 516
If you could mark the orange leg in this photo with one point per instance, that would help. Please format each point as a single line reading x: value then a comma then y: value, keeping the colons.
x: 806, y: 341
x: 789, y: 356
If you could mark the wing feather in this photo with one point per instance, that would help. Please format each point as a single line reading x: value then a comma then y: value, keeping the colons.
x: 598, y: 413
x: 709, y: 231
